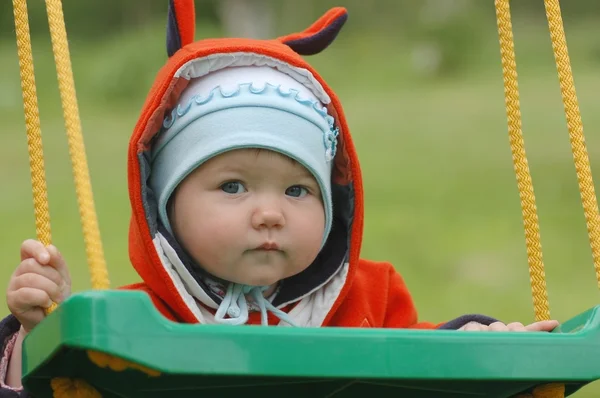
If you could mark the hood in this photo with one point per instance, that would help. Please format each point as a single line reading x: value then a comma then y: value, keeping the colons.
x: 157, y: 257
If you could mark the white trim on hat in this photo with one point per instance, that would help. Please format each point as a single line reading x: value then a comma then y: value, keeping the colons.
x: 202, y: 66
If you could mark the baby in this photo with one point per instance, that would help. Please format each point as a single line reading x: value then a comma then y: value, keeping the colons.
x: 247, y: 202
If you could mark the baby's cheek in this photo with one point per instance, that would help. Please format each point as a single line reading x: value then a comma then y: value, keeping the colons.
x: 202, y: 227
x: 211, y: 247
x: 314, y: 225
x: 222, y: 234
x: 310, y: 232
x: 223, y: 229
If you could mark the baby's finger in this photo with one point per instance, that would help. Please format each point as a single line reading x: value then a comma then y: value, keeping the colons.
x: 498, y: 327
x: 473, y: 327
x: 34, y: 249
x: 516, y: 327
x: 26, y: 298
x: 32, y: 266
x: 542, y: 326
x: 58, y: 262
x: 39, y: 282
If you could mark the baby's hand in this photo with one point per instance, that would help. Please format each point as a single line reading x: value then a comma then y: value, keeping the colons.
x: 541, y: 326
x: 41, y: 277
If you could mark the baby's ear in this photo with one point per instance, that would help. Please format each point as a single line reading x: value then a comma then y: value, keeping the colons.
x: 181, y: 25
x: 319, y: 35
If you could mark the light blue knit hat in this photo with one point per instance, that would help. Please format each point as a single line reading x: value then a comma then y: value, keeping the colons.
x: 243, y: 107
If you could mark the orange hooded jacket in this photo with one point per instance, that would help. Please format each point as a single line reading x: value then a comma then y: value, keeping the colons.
x: 339, y: 288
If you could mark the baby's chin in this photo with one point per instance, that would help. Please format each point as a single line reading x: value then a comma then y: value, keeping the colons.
x: 261, y: 279
x: 263, y: 275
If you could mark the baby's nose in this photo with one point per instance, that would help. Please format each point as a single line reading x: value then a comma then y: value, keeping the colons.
x: 268, y: 218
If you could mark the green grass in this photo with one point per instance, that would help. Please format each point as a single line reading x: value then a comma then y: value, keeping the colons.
x: 441, y: 197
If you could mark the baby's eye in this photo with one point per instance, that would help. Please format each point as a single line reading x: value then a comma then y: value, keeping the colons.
x: 296, y: 191
x: 233, y: 187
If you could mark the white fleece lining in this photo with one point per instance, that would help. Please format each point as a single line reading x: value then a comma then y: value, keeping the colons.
x: 202, y: 66
x: 187, y: 279
x: 177, y: 281
x: 309, y: 312
x: 314, y: 307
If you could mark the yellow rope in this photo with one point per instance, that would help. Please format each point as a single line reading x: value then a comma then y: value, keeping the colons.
x: 580, y: 157
x: 575, y: 126
x: 528, y: 206
x: 32, y: 125
x: 65, y: 387
x: 91, y: 232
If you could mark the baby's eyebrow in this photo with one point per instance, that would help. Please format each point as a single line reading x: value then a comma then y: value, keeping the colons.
x: 302, y: 172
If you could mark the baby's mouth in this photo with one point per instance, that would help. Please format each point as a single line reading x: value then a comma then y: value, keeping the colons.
x: 268, y: 246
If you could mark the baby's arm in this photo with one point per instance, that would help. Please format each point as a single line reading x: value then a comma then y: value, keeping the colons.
x: 41, y: 278
x: 9, y: 330
x: 13, y: 370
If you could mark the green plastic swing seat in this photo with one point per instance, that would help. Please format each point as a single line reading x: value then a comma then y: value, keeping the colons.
x: 233, y: 361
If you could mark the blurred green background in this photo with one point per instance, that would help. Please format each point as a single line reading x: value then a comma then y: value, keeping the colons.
x: 421, y: 84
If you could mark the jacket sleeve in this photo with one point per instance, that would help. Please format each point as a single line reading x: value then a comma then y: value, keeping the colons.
x: 461, y: 321
x: 9, y: 327
x: 401, y: 311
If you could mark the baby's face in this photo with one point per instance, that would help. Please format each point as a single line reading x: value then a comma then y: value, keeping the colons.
x: 250, y: 216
